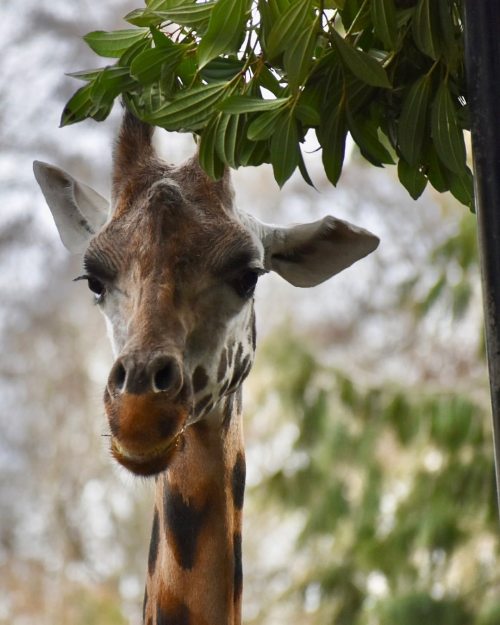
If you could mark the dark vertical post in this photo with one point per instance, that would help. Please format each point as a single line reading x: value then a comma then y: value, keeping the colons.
x: 482, y: 46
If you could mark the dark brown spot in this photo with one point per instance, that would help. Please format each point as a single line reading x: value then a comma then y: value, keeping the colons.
x: 246, y: 365
x: 238, y: 566
x: 239, y: 401
x: 228, y: 412
x: 150, y: 620
x: 202, y: 404
x: 241, y: 370
x: 154, y: 543
x: 224, y: 388
x: 200, y: 379
x: 230, y: 355
x: 222, y: 368
x: 253, y: 331
x: 184, y: 522
x: 238, y: 480
x: 239, y: 354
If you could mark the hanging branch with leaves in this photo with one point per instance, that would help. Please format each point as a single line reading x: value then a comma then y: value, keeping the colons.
x: 252, y: 78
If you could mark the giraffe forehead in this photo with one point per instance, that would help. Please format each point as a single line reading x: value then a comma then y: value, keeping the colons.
x: 165, y: 240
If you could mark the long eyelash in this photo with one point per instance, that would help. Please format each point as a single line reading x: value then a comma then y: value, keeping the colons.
x: 95, y: 300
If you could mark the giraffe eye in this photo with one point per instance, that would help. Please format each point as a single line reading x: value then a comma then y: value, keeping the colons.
x: 96, y: 286
x: 245, y: 284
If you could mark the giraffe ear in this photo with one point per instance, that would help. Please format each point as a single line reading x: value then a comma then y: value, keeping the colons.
x: 308, y: 254
x: 78, y: 210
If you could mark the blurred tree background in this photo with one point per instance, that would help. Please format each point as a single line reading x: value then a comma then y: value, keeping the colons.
x: 370, y: 464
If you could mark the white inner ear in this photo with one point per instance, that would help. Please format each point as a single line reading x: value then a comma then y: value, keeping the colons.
x: 308, y: 254
x: 79, y: 211
x: 91, y: 204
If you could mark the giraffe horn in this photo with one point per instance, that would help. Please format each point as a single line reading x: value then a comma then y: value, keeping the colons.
x: 133, y: 149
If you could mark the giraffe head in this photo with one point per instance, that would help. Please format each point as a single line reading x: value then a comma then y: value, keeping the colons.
x: 173, y: 266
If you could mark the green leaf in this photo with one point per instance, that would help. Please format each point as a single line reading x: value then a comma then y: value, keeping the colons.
x: 148, y: 65
x: 447, y: 136
x: 269, y: 81
x: 332, y: 133
x: 285, y: 149
x: 364, y: 131
x: 384, y: 22
x: 245, y: 104
x: 188, y: 110
x: 225, y: 29
x: 135, y: 49
x: 462, y: 187
x: 307, y: 115
x: 221, y: 69
x: 79, y: 107
x: 110, y: 83
x: 187, y: 71
x: 165, y: 5
x: 359, y: 94
x: 303, y: 170
x: 270, y: 12
x: 224, y: 128
x: 160, y: 39
x: 361, y: 64
x: 142, y: 17
x: 87, y: 75
x: 254, y: 153
x: 114, y: 43
x: 209, y: 159
x: 425, y: 28
x: 289, y: 27
x: 193, y: 15
x: 449, y: 40
x: 298, y: 56
x: 149, y: 98
x: 411, y: 178
x: 413, y: 120
x: 308, y: 107
x: 262, y: 127
x: 436, y: 171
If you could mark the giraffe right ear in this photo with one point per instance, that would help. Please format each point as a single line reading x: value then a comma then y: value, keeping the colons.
x: 78, y: 210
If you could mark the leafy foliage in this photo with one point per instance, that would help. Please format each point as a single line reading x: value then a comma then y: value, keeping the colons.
x: 389, y: 72
x: 454, y: 267
x: 393, y: 484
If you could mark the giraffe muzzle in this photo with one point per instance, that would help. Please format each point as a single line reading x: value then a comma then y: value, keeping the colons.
x: 147, y: 405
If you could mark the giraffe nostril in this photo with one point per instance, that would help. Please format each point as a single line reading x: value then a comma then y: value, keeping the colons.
x: 120, y: 375
x: 117, y: 377
x: 164, y: 378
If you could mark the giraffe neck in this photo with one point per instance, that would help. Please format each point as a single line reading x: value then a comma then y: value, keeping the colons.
x: 194, y: 566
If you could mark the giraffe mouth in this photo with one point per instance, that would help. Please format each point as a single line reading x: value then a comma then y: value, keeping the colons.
x: 150, y: 462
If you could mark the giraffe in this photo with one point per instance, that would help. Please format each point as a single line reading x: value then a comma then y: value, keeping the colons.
x: 173, y: 265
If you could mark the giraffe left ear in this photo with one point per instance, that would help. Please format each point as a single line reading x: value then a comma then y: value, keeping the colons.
x: 308, y: 254
x: 78, y: 210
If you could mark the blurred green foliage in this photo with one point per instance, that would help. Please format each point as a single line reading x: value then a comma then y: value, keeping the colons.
x: 393, y: 482
x: 91, y: 608
x: 453, y: 267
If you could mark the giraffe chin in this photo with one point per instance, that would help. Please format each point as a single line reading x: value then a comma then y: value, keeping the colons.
x: 151, y: 462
